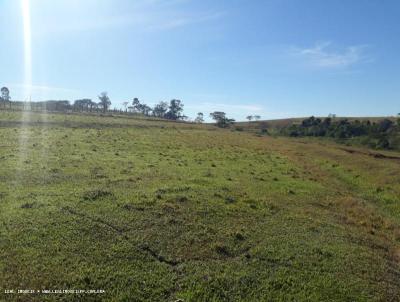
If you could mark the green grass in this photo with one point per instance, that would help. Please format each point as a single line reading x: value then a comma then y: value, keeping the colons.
x: 158, y: 211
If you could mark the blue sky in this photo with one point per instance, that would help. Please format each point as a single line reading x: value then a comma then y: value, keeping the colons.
x: 274, y: 58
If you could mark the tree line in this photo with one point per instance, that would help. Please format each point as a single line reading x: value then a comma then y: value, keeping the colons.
x: 383, y: 134
x: 172, y: 110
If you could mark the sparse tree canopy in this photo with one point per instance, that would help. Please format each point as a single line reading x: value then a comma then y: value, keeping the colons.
x: 136, y: 105
x: 221, y: 119
x: 253, y: 117
x: 175, y: 110
x: 160, y: 109
x: 82, y: 104
x: 140, y: 107
x: 200, y: 118
x: 144, y: 109
x: 104, y: 101
x: 5, y: 94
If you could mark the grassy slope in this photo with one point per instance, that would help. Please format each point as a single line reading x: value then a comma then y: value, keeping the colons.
x: 154, y: 211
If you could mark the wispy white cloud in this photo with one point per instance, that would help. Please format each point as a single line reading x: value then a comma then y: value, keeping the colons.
x: 183, y: 20
x: 325, y: 55
x: 144, y: 15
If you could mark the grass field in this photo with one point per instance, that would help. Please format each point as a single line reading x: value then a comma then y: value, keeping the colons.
x: 161, y: 211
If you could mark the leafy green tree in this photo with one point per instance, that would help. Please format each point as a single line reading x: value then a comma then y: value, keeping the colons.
x: 221, y: 120
x: 104, y: 101
x: 136, y: 105
x: 249, y: 118
x: 82, y: 104
x: 92, y: 105
x: 144, y: 109
x: 160, y: 109
x: 5, y: 95
x: 200, y: 118
x: 175, y: 110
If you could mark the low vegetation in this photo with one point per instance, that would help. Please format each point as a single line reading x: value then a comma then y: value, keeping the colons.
x: 152, y: 210
x: 384, y: 134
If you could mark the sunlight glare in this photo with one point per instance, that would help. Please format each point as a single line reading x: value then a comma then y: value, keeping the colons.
x: 26, y: 19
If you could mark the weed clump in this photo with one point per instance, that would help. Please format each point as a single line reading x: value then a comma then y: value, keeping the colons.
x: 28, y: 205
x: 223, y: 250
x: 230, y: 199
x: 239, y: 237
x: 93, y: 195
x: 182, y: 199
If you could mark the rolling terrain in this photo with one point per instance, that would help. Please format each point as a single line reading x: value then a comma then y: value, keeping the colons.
x: 150, y: 210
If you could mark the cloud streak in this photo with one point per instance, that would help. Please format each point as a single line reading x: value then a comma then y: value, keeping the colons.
x: 145, y: 15
x: 324, y: 55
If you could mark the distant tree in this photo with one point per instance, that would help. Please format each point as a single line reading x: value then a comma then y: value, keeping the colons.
x: 56, y: 105
x: 175, y: 110
x: 221, y: 120
x: 5, y: 95
x: 82, y: 104
x: 92, y: 105
x: 125, y: 104
x: 200, y: 118
x: 104, y: 101
x: 144, y: 109
x: 249, y: 117
x: 77, y: 106
x: 140, y: 107
x: 160, y: 109
x: 136, y: 104
x: 257, y: 117
x: 87, y: 103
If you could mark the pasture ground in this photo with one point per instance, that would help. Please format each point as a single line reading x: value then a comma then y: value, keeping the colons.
x: 160, y: 211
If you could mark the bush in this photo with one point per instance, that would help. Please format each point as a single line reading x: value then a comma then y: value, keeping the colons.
x: 382, y: 135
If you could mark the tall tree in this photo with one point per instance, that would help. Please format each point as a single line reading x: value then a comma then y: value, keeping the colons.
x: 125, y: 104
x: 136, y: 105
x: 175, y: 110
x: 249, y: 118
x: 200, y: 118
x: 104, y: 101
x: 5, y: 94
x: 160, y: 109
x: 82, y: 104
x: 144, y: 109
x: 221, y: 119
